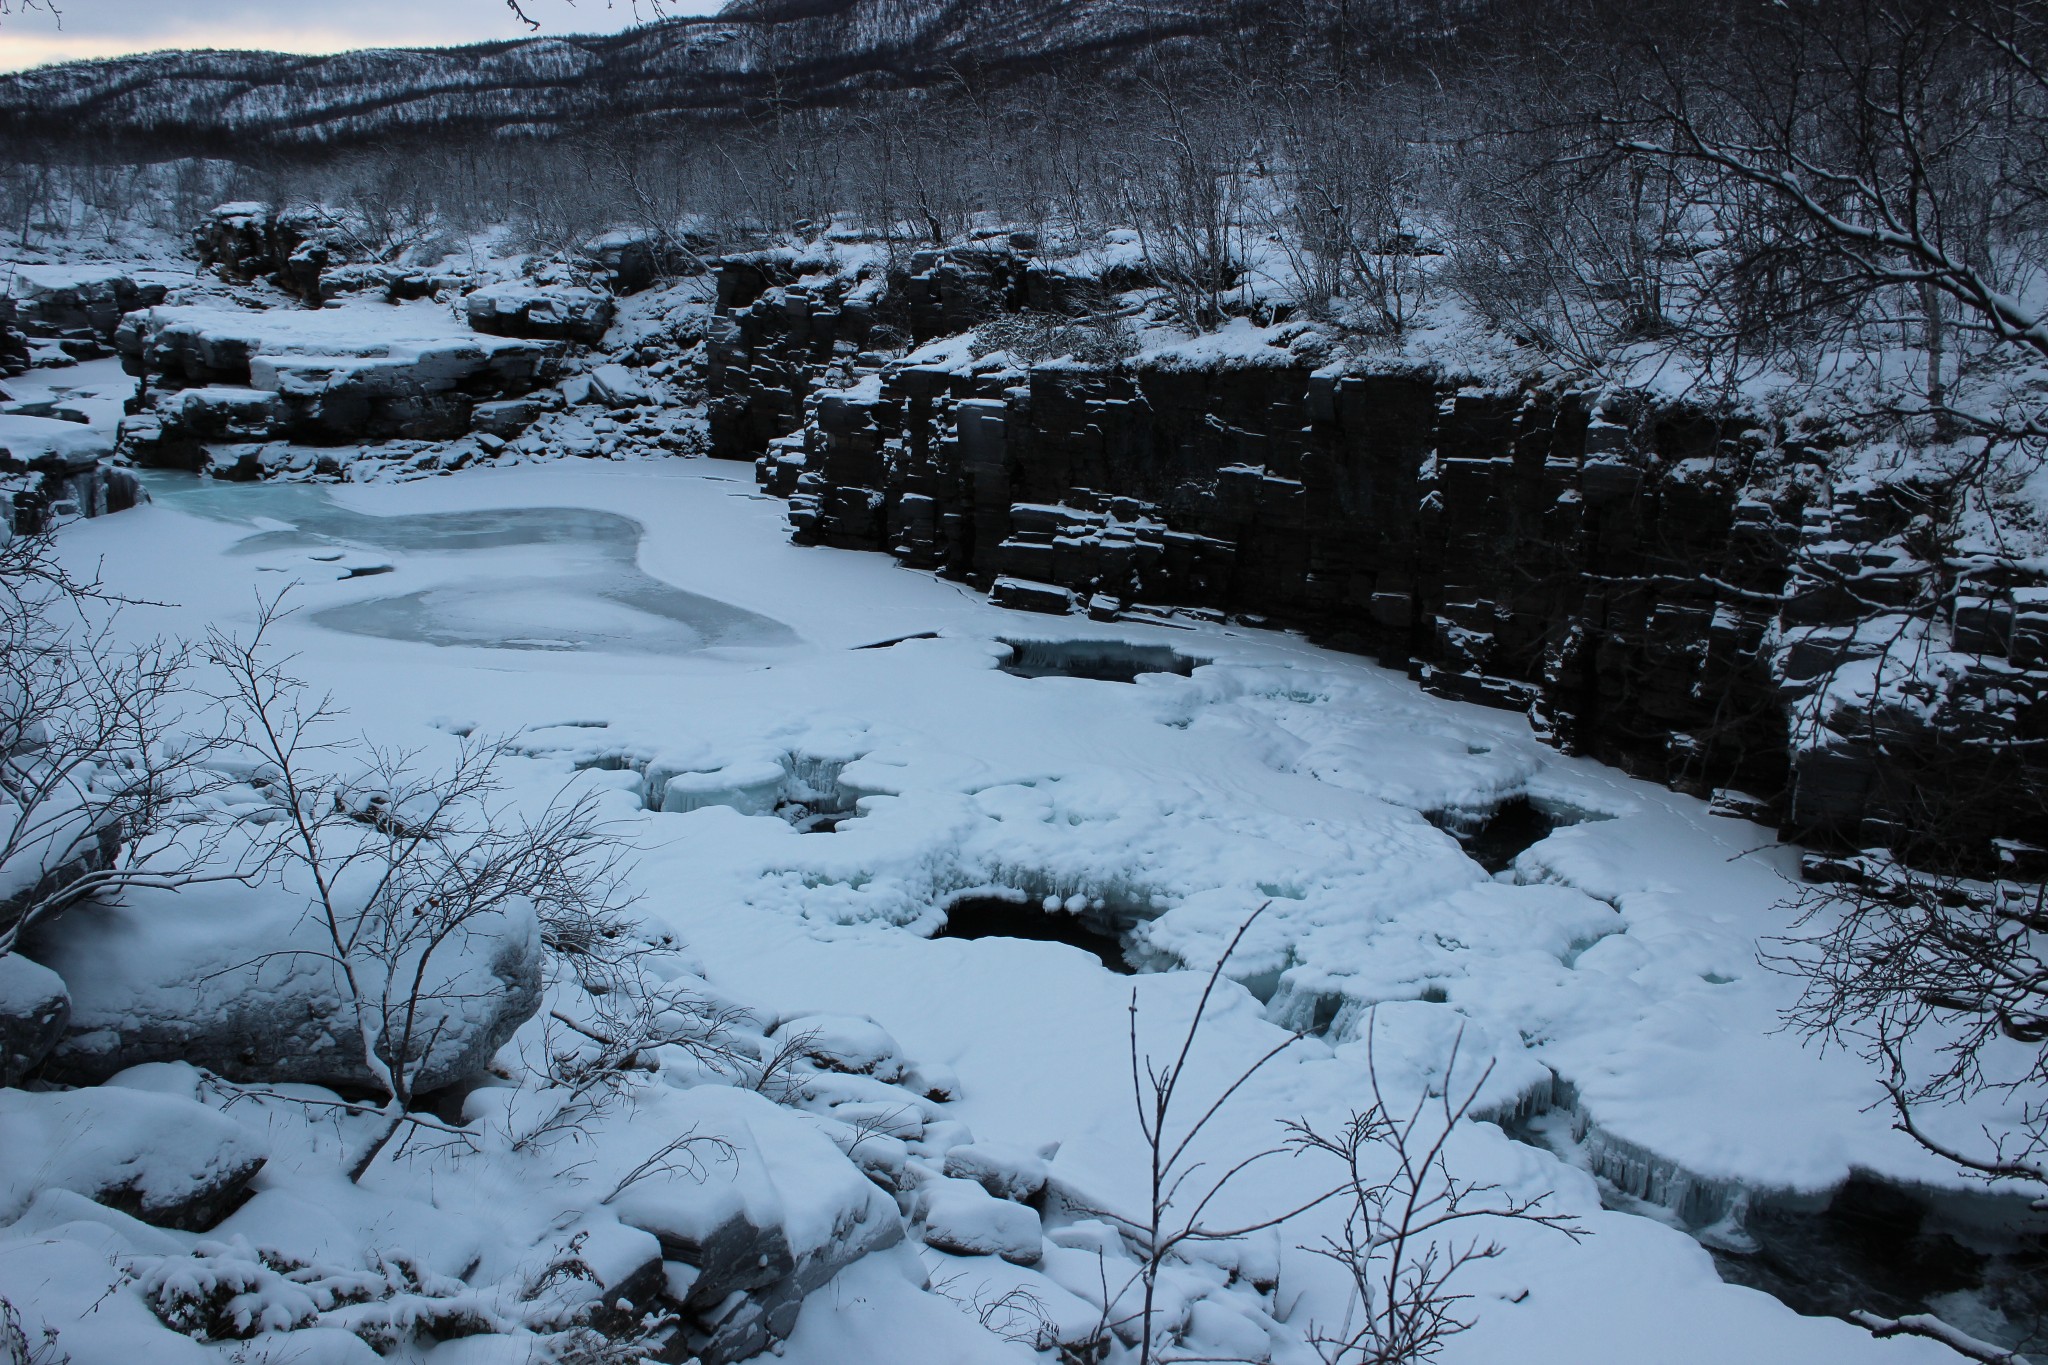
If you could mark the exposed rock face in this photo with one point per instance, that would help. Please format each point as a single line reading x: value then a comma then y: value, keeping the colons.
x: 358, y: 373
x: 1641, y: 579
x: 632, y: 259
x: 34, y: 1006
x: 237, y: 986
x: 789, y: 326
x: 14, y: 352
x: 51, y: 469
x: 163, y: 1158
x: 78, y: 307
x: 774, y: 1215
x: 312, y: 252
x: 235, y: 239
x: 541, y: 312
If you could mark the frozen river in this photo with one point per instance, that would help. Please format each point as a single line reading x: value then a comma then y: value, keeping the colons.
x: 546, y: 578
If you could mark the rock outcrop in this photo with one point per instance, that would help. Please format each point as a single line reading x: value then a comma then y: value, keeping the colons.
x: 310, y: 251
x: 1656, y: 585
x: 764, y: 1211
x: 543, y: 312
x: 240, y: 985
x: 76, y: 309
x: 51, y: 469
x: 163, y: 1158
x: 34, y: 1006
x: 368, y: 372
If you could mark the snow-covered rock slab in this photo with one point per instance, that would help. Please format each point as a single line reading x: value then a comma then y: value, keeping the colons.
x: 542, y: 312
x: 341, y: 373
x: 961, y: 1217
x: 1005, y: 1171
x: 42, y: 442
x: 34, y: 1004
x: 615, y: 386
x: 762, y: 1205
x: 240, y: 982
x: 165, y: 1159
x: 74, y: 301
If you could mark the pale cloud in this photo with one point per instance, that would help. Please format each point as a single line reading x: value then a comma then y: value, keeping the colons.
x: 108, y: 28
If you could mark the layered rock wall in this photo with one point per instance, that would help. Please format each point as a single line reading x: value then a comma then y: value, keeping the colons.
x: 1664, y: 589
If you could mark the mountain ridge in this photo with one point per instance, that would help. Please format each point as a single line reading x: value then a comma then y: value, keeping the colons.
x: 817, y: 51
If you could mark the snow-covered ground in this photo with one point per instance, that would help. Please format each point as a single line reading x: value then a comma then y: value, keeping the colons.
x: 677, y: 647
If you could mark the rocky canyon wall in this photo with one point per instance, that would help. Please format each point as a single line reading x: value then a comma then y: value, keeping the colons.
x: 1693, y: 596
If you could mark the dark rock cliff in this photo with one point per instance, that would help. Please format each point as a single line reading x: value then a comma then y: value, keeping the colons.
x: 1666, y: 589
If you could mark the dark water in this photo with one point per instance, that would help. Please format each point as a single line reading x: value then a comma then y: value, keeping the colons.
x: 993, y: 917
x: 1100, y: 660
x: 1884, y: 1249
x: 1507, y: 831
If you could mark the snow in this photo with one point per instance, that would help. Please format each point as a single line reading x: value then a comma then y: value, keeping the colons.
x: 113, y: 1143
x: 370, y: 330
x: 1004, y: 1171
x: 1619, y: 953
x: 961, y: 1217
x: 31, y: 438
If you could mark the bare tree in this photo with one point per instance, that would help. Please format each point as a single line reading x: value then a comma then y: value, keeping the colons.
x: 409, y: 873
x: 1897, y: 145
x: 1179, y: 1190
x: 1941, y: 982
x: 99, y: 792
x: 1355, y: 178
x: 1402, y: 1243
x: 10, y: 8
x: 642, y: 9
x: 1183, y: 190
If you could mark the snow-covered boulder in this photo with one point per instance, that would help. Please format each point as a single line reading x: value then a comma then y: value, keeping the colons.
x: 346, y: 373
x: 544, y: 312
x: 1021, y: 594
x: 75, y: 303
x: 47, y: 445
x: 34, y: 1005
x: 505, y: 418
x: 163, y: 1158
x: 762, y: 1208
x: 841, y: 1042
x: 615, y: 386
x: 240, y: 981
x: 961, y: 1217
x: 1004, y: 1171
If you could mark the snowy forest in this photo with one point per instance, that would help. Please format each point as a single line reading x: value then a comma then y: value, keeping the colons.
x: 1302, y: 682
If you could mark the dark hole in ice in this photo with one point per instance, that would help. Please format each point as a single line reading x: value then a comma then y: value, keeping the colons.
x: 1876, y: 1247
x: 367, y: 571
x: 809, y: 821
x: 1505, y: 832
x: 993, y: 917
x: 1099, y: 660
x: 900, y: 639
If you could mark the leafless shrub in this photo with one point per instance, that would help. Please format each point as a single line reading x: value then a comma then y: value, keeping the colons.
x: 1179, y: 1191
x: 1404, y: 1210
x: 17, y: 1349
x: 403, y: 868
x: 1940, y: 981
x: 1035, y: 337
x: 98, y: 739
x: 685, y: 1155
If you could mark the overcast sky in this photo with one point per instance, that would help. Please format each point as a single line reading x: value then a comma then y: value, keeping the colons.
x: 105, y: 28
